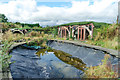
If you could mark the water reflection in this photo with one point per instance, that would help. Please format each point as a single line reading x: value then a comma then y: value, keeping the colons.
x: 65, y: 57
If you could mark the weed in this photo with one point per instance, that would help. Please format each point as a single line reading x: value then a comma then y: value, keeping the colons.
x: 4, y: 56
x: 104, y: 70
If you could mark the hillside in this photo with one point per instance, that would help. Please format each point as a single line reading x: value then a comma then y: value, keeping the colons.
x: 96, y: 24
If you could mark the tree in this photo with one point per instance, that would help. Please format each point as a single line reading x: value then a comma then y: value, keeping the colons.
x: 3, y: 18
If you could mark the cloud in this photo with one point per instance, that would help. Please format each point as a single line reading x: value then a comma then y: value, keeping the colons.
x: 27, y: 11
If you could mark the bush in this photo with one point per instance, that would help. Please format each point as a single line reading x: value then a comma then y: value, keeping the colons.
x: 8, y: 36
x: 34, y: 33
x: 4, y: 56
x: 42, y: 33
x: 106, y: 37
x: 104, y: 70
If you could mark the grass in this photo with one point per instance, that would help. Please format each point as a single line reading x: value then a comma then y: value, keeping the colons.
x: 106, y: 37
x: 111, y: 44
x: 4, y: 55
x: 104, y: 70
x: 34, y: 33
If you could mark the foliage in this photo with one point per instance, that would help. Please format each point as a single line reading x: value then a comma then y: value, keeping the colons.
x: 8, y: 36
x: 55, y: 32
x: 34, y: 33
x: 42, y: 33
x: 106, y: 32
x: 30, y: 25
x: 3, y: 18
x: 106, y: 37
x: 38, y: 42
x: 104, y: 70
x: 4, y: 55
x: 96, y: 24
x: 7, y: 25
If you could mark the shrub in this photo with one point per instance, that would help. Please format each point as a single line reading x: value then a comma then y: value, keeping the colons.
x: 8, y: 36
x: 106, y: 37
x: 34, y: 33
x: 4, y: 56
x: 42, y: 33
x: 104, y: 70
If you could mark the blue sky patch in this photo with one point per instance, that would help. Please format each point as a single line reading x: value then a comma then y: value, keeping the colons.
x: 55, y: 4
x: 91, y: 3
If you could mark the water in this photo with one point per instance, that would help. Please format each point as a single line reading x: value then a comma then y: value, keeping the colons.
x: 89, y: 56
x: 45, y: 64
x: 54, y: 63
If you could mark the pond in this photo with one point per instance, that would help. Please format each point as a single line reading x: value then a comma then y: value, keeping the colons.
x: 45, y: 64
x: 90, y: 56
x: 62, y: 61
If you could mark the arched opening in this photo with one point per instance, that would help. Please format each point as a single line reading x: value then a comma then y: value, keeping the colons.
x: 86, y: 34
x: 90, y: 27
x: 64, y: 32
x: 17, y: 32
x: 81, y: 33
x: 75, y: 34
x: 25, y: 31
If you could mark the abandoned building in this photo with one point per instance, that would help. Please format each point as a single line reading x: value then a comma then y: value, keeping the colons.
x: 79, y: 32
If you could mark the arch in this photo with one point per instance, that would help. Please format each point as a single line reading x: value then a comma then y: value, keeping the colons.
x: 24, y: 31
x: 81, y: 27
x: 82, y: 30
x: 74, y: 29
x: 74, y: 35
x: 84, y: 26
x: 17, y: 31
x: 66, y: 30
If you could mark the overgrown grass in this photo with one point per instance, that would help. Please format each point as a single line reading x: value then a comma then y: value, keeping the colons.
x: 4, y: 55
x: 106, y: 37
x: 9, y: 36
x: 104, y: 70
x: 34, y: 33
x: 8, y: 39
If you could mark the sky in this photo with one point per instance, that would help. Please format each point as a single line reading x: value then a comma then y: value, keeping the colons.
x: 56, y: 12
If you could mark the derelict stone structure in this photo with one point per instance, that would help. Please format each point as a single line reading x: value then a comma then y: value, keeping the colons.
x: 19, y: 31
x: 79, y: 32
